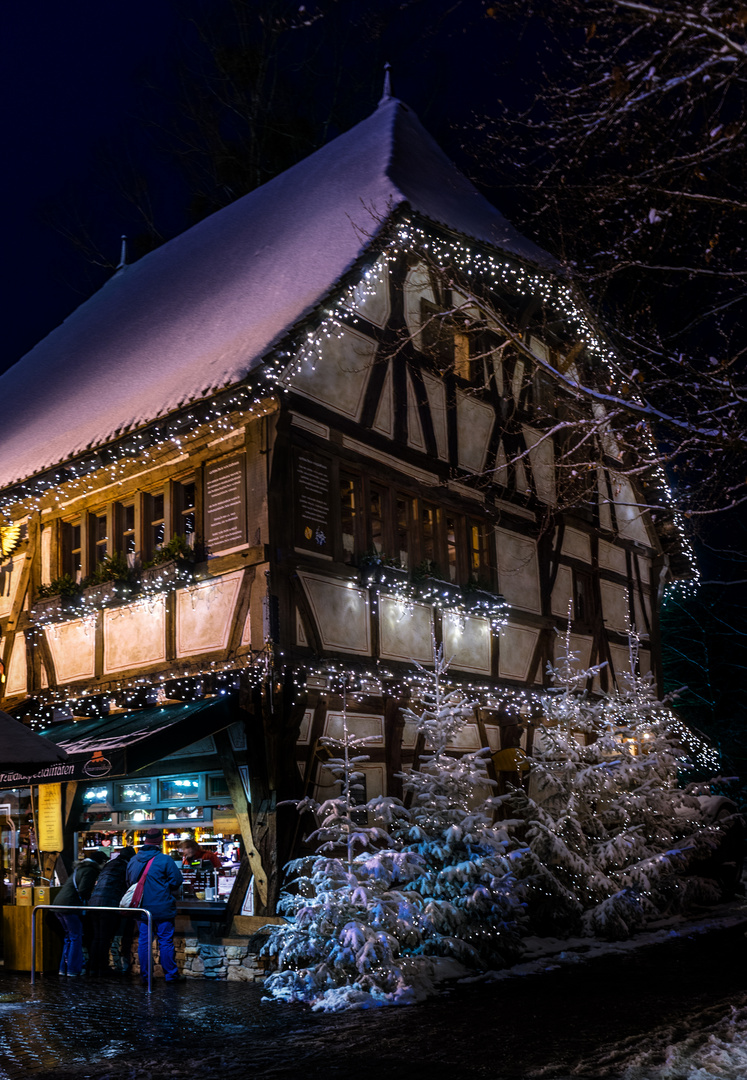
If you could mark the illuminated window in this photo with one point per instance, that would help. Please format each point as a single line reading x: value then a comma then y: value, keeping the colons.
x: 133, y: 792
x: 377, y: 513
x: 129, y: 539
x: 95, y: 795
x: 405, y: 521
x: 156, y: 523
x: 100, y: 537
x: 183, y: 813
x: 217, y: 787
x: 186, y: 507
x: 451, y: 547
x: 72, y: 551
x: 182, y: 787
x: 349, y: 503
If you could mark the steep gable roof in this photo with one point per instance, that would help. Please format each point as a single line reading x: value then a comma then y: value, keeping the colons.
x: 197, y: 314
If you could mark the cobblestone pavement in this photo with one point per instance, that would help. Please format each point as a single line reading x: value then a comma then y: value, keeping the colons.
x: 579, y: 1020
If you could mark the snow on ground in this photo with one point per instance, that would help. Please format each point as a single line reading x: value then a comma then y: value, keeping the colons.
x: 546, y: 953
x: 720, y: 1054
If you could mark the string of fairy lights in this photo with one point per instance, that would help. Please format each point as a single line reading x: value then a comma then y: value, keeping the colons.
x: 229, y: 410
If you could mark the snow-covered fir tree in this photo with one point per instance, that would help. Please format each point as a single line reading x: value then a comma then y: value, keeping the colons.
x: 351, y: 922
x: 464, y: 875
x: 609, y: 834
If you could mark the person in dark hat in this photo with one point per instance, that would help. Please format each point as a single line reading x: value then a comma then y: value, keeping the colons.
x: 162, y: 882
x: 76, y: 892
x: 107, y: 892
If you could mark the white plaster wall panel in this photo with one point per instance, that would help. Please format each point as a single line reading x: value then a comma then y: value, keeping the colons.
x: 409, y: 735
x: 237, y: 736
x: 304, y: 730
x: 641, y: 616
x: 46, y: 555
x: 16, y: 680
x: 475, y: 420
x: 501, y: 466
x: 73, y: 649
x: 417, y: 287
x: 542, y: 460
x: 415, y: 437
x: 436, y: 394
x: 562, y: 593
x: 340, y: 610
x: 577, y: 544
x: 620, y: 659
x: 517, y: 645
x: 612, y: 557
x: 339, y: 375
x: 10, y: 573
x: 467, y: 643
x: 135, y: 635
x: 522, y: 482
x: 375, y: 777
x: 204, y: 614
x: 384, y: 419
x: 644, y: 661
x: 615, y: 610
x: 362, y: 725
x: 517, y: 380
x: 518, y: 570
x: 468, y: 738
x: 328, y: 787
x: 405, y: 632
x: 630, y: 520
x: 300, y: 632
x: 371, y: 295
x: 581, y: 646
x: 493, y: 733
x: 645, y: 569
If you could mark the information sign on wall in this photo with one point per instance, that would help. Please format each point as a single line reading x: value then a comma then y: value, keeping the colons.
x: 50, y: 817
x: 312, y: 487
x: 225, y: 504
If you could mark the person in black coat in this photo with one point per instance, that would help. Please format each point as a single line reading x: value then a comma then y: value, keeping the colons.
x: 76, y: 892
x: 108, y: 891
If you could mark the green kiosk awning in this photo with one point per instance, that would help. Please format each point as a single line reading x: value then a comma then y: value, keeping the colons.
x: 123, y: 743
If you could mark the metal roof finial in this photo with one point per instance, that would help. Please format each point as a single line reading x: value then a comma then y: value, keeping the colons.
x: 387, y: 95
x: 123, y: 255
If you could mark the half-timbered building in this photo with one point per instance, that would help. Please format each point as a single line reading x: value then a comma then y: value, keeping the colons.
x: 294, y: 446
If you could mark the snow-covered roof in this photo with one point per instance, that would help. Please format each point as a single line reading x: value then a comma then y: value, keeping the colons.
x: 197, y: 314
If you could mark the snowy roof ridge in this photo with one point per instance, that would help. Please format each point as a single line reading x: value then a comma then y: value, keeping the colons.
x: 200, y: 312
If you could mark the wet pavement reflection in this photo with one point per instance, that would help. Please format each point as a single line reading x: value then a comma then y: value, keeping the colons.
x: 588, y: 1020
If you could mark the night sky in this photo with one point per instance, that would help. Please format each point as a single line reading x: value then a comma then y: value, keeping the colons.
x: 69, y: 80
x: 75, y: 84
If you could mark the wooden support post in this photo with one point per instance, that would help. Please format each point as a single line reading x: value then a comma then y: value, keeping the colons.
x: 243, y: 813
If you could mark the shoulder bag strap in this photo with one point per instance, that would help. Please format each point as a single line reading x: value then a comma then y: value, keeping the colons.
x: 138, y: 896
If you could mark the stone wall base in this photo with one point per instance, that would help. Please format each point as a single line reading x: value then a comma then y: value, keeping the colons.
x: 204, y: 956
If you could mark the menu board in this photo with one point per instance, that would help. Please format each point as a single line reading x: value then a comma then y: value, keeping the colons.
x: 312, y: 486
x: 225, y: 504
x: 50, y: 817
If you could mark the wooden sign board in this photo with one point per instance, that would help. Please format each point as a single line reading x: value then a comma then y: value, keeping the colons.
x: 312, y: 502
x: 225, y: 504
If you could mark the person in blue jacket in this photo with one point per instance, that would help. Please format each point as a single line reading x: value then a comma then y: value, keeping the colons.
x: 162, y: 883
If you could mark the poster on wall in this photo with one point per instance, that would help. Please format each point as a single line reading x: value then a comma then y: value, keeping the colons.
x: 50, y: 817
x: 225, y: 505
x: 312, y: 487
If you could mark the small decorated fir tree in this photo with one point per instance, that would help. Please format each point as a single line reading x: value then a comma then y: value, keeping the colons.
x: 464, y: 875
x: 351, y: 919
x: 608, y: 831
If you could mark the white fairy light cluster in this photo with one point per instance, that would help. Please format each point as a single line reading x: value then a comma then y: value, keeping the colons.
x: 451, y: 600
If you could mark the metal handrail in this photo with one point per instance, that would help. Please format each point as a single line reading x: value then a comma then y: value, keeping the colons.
x: 81, y: 907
